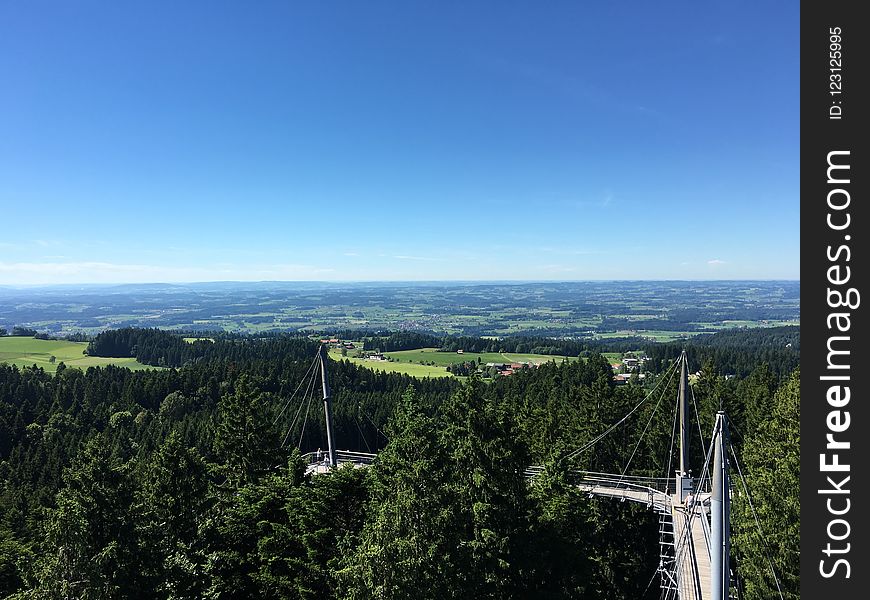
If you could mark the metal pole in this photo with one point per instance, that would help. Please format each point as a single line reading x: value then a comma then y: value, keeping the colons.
x: 720, y: 508
x: 327, y: 407
x: 684, y: 482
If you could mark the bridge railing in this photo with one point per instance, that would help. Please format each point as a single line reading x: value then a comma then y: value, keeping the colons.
x: 655, y: 488
x: 647, y: 490
x: 637, y: 493
x: 663, y: 485
x: 660, y: 484
x: 321, y: 457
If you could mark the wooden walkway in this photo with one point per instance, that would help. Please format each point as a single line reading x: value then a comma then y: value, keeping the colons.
x: 691, y: 539
x: 652, y: 498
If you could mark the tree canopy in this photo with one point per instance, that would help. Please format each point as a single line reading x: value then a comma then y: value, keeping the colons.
x: 190, y: 482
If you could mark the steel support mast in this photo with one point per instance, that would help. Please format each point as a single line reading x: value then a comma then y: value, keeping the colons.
x: 327, y: 406
x: 684, y: 479
x: 720, y: 517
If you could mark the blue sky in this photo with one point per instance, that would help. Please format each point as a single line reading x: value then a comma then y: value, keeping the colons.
x: 201, y: 141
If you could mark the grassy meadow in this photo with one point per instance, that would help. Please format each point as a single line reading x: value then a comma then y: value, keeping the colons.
x: 26, y: 352
x: 442, y: 359
x: 419, y: 362
x: 412, y: 369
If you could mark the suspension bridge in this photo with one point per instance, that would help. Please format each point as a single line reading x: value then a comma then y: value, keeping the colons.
x: 693, y: 512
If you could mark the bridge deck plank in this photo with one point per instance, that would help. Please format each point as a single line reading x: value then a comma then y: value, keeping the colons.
x: 693, y: 563
x: 693, y: 553
x: 702, y: 553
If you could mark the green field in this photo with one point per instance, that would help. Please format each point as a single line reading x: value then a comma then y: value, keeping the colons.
x: 651, y: 334
x: 26, y: 352
x: 417, y: 363
x: 414, y: 370
x: 613, y: 357
x: 442, y: 359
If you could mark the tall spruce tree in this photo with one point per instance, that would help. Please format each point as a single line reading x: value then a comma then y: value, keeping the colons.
x: 173, y: 500
x: 560, y: 544
x: 235, y: 528
x: 91, y: 535
x: 487, y: 462
x: 299, y: 556
x: 771, y: 466
x: 409, y: 544
x: 246, y: 438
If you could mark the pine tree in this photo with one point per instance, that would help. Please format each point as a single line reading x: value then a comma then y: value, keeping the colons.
x: 299, y: 556
x: 771, y: 466
x: 561, y: 542
x: 91, y: 534
x: 236, y: 527
x: 246, y: 438
x: 173, y: 501
x: 756, y: 393
x: 488, y: 464
x: 14, y: 558
x: 408, y: 547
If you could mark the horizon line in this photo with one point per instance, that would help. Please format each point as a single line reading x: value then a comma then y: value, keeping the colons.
x: 402, y: 281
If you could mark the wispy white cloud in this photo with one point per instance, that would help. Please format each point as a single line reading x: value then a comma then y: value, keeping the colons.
x: 290, y: 271
x: 558, y: 81
x: 66, y: 268
x: 351, y: 254
x: 605, y: 200
x: 557, y: 268
x: 107, y: 272
x: 716, y: 261
x: 408, y: 257
x: 570, y: 251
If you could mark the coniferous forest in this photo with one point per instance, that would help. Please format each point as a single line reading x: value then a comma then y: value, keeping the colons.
x: 189, y: 482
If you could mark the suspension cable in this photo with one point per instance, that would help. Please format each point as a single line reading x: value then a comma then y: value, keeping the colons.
x: 698, y: 420
x: 673, y: 438
x: 704, y: 477
x: 299, y: 410
x: 757, y: 522
x: 651, y: 579
x: 358, y: 428
x: 366, y: 415
x: 596, y: 439
x: 301, y: 381
x: 636, y: 446
x: 305, y: 420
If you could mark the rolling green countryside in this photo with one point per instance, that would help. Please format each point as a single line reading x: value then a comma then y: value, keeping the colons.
x: 27, y: 351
